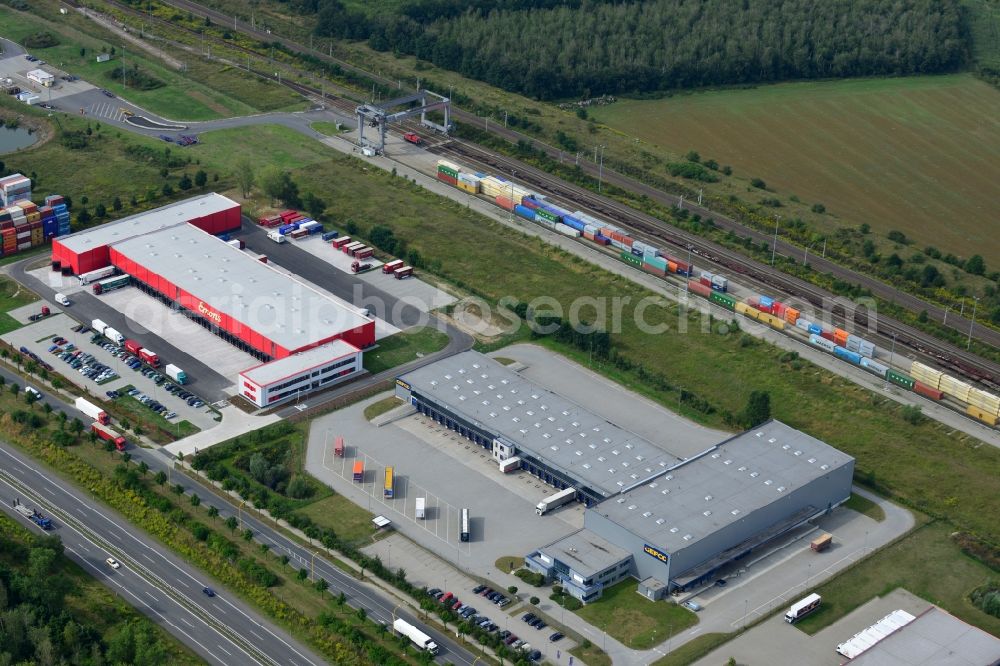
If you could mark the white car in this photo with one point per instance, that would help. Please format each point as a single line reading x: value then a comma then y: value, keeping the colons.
x: 113, y: 563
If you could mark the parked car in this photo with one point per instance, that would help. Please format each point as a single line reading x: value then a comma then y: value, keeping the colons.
x: 557, y: 636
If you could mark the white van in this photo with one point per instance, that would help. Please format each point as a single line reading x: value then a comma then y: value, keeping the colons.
x: 33, y: 391
x: 61, y: 299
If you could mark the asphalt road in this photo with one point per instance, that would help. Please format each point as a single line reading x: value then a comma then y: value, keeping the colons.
x: 141, y: 559
x: 221, y: 629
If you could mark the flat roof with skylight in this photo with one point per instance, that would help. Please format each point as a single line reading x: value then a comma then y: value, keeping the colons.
x: 287, y: 311
x: 564, y: 435
x: 290, y: 366
x: 723, y: 485
x: 586, y: 552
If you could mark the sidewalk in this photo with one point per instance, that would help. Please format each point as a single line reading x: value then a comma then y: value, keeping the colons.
x: 234, y: 422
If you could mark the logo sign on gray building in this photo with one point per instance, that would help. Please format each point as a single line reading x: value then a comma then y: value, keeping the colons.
x: 655, y: 552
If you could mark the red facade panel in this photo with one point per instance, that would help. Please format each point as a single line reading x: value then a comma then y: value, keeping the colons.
x: 220, y: 222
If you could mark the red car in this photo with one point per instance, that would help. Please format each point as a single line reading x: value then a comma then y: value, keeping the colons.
x: 458, y: 604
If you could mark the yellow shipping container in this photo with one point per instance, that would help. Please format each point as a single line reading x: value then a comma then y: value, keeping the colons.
x: 985, y: 401
x: 976, y: 413
x: 467, y: 187
x: 772, y: 321
x: 745, y: 309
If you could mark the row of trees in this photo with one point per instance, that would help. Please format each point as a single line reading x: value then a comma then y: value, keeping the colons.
x: 556, y: 50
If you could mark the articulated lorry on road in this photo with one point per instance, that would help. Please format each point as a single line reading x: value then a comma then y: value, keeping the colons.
x: 562, y: 497
x: 109, y: 435
x: 92, y: 410
x: 32, y: 515
x: 419, y: 638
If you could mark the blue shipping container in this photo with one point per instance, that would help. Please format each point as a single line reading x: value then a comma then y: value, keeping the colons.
x: 636, y: 252
x: 330, y: 235
x: 815, y: 329
x: 524, y: 211
x: 766, y: 301
x: 574, y: 223
x: 847, y: 355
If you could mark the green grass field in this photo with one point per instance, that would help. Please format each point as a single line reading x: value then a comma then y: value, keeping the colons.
x: 634, y: 620
x: 404, y: 347
x: 926, y: 562
x: 184, y: 97
x: 381, y: 407
x: 920, y: 155
x: 12, y: 295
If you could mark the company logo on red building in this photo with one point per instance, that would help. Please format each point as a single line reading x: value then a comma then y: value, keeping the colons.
x: 208, y: 312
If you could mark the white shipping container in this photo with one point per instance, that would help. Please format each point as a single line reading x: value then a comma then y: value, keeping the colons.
x: 567, y: 231
x: 803, y: 324
x: 98, y: 326
x: 822, y: 343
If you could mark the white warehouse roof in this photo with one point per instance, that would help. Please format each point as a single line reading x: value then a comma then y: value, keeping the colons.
x: 143, y: 223
x: 228, y: 280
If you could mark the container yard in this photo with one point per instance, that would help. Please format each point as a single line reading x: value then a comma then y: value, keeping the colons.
x: 765, y: 310
x: 24, y: 224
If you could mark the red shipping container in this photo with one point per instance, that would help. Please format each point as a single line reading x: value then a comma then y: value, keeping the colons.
x: 505, y: 202
x: 927, y: 391
x: 827, y: 335
x: 699, y: 288
x: 528, y: 202
x: 683, y: 268
x: 288, y: 214
x: 778, y: 309
x: 451, y: 180
x: 705, y: 281
x: 653, y: 269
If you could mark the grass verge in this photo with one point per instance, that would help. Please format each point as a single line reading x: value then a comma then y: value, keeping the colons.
x: 381, y: 407
x: 327, y: 128
x: 633, y: 620
x: 693, y: 650
x: 926, y: 562
x: 12, y: 295
x: 865, y: 506
x: 509, y: 563
x: 404, y: 347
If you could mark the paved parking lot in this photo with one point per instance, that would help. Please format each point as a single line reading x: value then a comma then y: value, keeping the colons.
x: 777, y: 643
x: 61, y: 325
x: 451, y: 473
x: 422, y: 295
x: 425, y: 568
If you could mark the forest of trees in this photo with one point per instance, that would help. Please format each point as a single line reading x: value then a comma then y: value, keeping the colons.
x: 550, y: 49
x: 37, y: 625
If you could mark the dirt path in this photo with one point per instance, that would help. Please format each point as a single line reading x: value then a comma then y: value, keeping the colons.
x: 122, y: 32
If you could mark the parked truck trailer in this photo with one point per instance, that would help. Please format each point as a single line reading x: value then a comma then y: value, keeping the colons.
x: 32, y: 515
x: 109, y: 435
x: 175, y: 373
x: 421, y: 508
x: 562, y: 497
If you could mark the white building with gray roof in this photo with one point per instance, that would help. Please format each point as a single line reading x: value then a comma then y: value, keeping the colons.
x: 668, y: 522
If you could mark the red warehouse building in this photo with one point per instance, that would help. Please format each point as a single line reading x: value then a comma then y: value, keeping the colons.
x: 88, y: 250
x: 249, y: 303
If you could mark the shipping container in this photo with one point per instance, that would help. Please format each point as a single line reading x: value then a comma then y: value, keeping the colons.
x: 979, y: 414
x: 390, y: 266
x: 683, y: 268
x: 926, y: 375
x: 822, y: 343
x: 699, y: 288
x: 847, y: 355
x: 821, y: 543
x: 330, y: 235
x: 504, y: 202
x: 447, y: 178
x: 927, y: 391
x: 526, y: 213
x: 630, y: 258
x: 792, y: 316
x: 340, y: 242
x: 567, y: 231
x: 840, y: 336
x: 900, y: 379
x: 874, y: 367
x: 403, y: 273
x: 725, y: 300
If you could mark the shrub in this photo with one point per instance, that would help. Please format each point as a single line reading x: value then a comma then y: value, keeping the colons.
x: 41, y: 40
x: 758, y: 183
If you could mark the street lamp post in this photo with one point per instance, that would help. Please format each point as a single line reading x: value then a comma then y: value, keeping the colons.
x: 892, y: 351
x: 774, y: 247
x: 600, y: 169
x: 972, y: 322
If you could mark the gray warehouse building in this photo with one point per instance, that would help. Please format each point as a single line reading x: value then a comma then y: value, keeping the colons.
x: 667, y: 522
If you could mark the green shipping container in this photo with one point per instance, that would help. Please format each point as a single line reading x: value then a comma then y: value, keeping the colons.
x: 900, y: 379
x: 546, y: 215
x: 630, y: 258
x: 725, y: 300
x: 450, y: 172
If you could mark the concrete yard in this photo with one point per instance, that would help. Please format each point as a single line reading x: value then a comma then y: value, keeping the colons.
x: 421, y: 295
x: 180, y: 331
x: 776, y: 643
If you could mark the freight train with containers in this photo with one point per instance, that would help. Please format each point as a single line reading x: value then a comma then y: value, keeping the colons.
x: 857, y: 351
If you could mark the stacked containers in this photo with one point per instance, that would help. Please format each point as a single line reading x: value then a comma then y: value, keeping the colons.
x: 448, y: 172
x: 791, y: 315
x: 765, y: 303
x: 468, y: 182
x: 985, y: 401
x: 926, y: 375
x: 840, y: 336
x: 822, y: 343
x: 14, y: 188
x: 955, y: 388
x: 654, y: 264
x: 847, y: 354
x: 874, y: 367
x: 700, y: 289
x: 860, y: 345
x: 525, y: 212
x: 545, y: 218
x: 504, y: 202
x: 567, y: 231
x: 58, y: 205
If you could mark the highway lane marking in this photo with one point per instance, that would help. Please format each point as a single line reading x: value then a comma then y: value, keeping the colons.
x: 148, y: 557
x: 226, y: 651
x: 256, y: 634
x: 151, y: 595
x: 184, y: 620
x: 81, y: 512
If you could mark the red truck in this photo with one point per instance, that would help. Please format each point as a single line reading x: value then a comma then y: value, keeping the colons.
x: 410, y: 137
x: 404, y: 272
x: 357, y: 266
x: 338, y: 447
x: 149, y: 357
x: 108, y: 435
x: 389, y: 267
x: 132, y: 346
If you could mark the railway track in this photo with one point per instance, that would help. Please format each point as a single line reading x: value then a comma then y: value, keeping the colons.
x: 645, y: 226
x: 650, y: 229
